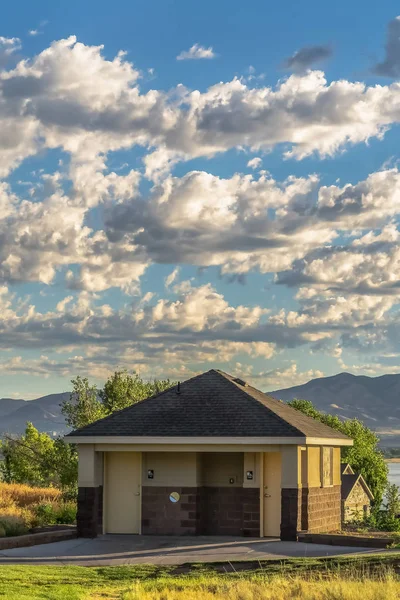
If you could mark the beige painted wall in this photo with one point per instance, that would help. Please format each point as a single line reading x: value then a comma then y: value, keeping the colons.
x: 291, y: 475
x: 196, y: 469
x: 252, y: 462
x: 171, y: 468
x: 90, y: 466
x: 217, y: 468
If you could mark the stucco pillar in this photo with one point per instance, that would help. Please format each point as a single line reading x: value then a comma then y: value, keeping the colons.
x: 90, y: 491
x: 291, y: 493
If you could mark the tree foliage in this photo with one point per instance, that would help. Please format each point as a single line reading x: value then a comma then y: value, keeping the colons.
x: 38, y: 460
x: 364, y: 456
x: 83, y: 406
x: 123, y: 389
x: 87, y: 404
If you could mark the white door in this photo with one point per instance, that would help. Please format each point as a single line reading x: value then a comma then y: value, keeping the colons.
x: 272, y: 494
x: 122, y: 492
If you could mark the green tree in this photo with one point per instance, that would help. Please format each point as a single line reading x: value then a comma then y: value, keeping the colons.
x: 364, y: 456
x: 392, y: 500
x: 63, y: 462
x: 37, y: 459
x: 123, y: 389
x: 83, y: 406
x: 26, y: 457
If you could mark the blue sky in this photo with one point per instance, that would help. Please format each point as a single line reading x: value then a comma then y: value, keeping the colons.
x: 237, y: 209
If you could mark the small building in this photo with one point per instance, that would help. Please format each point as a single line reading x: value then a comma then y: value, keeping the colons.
x: 356, y: 495
x: 211, y: 456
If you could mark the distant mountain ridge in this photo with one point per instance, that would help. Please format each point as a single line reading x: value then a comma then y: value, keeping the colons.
x: 44, y: 413
x: 373, y: 400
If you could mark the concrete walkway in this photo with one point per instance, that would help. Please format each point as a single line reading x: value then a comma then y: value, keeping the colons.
x: 160, y: 550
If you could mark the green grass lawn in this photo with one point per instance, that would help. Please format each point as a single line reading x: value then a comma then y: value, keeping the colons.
x: 370, y: 578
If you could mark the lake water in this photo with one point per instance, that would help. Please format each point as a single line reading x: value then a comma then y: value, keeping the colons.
x: 394, y: 473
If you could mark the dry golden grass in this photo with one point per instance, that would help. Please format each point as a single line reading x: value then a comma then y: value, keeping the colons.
x: 24, y: 495
x: 345, y: 579
x: 18, y: 503
x: 280, y: 588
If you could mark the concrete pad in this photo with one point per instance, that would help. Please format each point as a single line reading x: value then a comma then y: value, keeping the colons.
x: 168, y: 550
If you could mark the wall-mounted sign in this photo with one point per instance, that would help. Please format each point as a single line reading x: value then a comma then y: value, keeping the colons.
x: 249, y: 475
x: 174, y: 497
x: 150, y: 474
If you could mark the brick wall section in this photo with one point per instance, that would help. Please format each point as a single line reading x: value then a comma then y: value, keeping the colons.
x: 89, y: 511
x: 204, y: 511
x: 251, y: 512
x: 321, y: 509
x: 230, y: 511
x: 100, y: 510
x: 291, y: 508
x: 221, y: 511
x: 160, y: 516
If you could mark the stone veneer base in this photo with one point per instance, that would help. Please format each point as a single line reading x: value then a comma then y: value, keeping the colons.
x: 201, y: 511
x: 291, y: 505
x: 321, y: 509
x: 89, y: 517
x: 160, y: 516
x: 218, y: 511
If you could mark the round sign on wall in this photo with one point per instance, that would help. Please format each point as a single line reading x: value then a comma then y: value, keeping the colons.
x: 174, y: 497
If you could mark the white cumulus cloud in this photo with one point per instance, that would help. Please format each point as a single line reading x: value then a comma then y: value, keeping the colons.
x: 196, y: 52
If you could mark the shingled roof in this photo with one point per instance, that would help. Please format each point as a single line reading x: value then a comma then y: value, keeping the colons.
x: 211, y: 404
x: 350, y: 480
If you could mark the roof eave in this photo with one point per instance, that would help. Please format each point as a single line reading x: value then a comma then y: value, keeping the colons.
x: 204, y: 440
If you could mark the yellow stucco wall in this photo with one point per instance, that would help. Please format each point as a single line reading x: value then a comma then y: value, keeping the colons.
x: 337, y: 477
x: 314, y: 466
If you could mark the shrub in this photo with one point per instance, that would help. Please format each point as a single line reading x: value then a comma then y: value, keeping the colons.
x: 14, y: 512
x: 43, y: 515
x: 66, y: 513
x: 387, y: 519
x: 13, y: 525
x: 47, y: 513
x: 2, y: 531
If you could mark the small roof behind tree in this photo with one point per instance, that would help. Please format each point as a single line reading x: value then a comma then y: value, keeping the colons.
x: 349, y: 482
x: 213, y: 404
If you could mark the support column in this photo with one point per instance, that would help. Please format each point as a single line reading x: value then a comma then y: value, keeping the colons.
x: 251, y: 502
x: 89, y: 519
x: 290, y: 494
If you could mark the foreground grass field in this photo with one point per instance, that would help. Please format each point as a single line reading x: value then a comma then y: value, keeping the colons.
x: 317, y: 579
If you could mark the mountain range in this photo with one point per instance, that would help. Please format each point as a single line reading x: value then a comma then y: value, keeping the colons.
x: 374, y: 400
x: 44, y: 413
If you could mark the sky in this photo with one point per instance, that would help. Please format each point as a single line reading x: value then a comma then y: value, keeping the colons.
x: 186, y: 186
